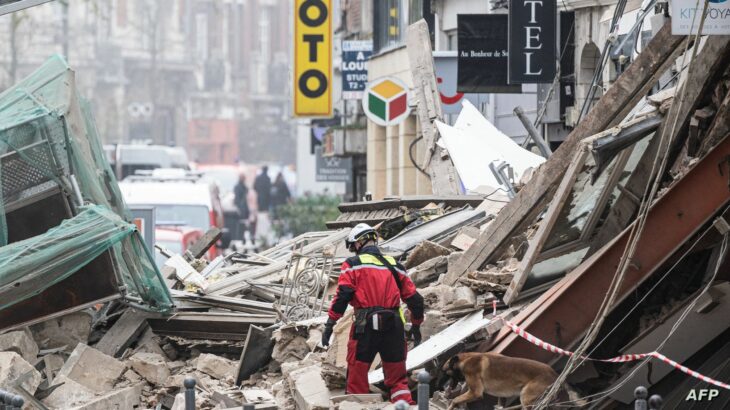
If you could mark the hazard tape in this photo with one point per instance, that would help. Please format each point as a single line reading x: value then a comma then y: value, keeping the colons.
x: 620, y: 359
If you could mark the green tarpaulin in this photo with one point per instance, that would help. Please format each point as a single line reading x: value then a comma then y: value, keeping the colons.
x: 50, y: 150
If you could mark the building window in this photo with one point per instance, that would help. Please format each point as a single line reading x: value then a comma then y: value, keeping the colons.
x: 415, y: 10
x: 392, y: 17
x: 452, y: 40
x: 388, y: 21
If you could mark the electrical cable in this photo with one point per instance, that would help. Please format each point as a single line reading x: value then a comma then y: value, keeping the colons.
x: 413, y: 161
x: 486, y: 197
x: 633, y: 239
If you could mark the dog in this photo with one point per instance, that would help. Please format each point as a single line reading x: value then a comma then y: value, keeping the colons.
x: 499, y: 376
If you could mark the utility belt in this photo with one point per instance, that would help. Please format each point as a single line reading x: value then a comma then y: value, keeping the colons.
x: 377, y: 318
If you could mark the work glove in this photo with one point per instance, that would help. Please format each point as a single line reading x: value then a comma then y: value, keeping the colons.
x: 327, y: 334
x: 416, y: 334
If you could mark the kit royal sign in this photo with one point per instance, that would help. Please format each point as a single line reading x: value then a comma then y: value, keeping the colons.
x: 312, y: 58
x: 386, y: 101
x: 686, y: 16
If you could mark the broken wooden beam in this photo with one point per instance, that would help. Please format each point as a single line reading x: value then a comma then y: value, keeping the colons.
x: 562, y: 314
x: 123, y: 333
x: 612, y: 108
x: 201, y: 246
x: 546, y: 226
x: 209, y: 325
x: 699, y: 81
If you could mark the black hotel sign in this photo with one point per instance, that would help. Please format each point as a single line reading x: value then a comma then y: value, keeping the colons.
x: 531, y: 41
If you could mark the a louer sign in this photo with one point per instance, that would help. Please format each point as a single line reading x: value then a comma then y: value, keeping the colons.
x: 531, y: 41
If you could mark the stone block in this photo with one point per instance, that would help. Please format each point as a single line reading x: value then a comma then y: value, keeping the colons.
x: 68, y: 395
x: 437, y: 297
x: 257, y: 396
x: 309, y: 388
x: 149, y: 343
x: 53, y: 364
x: 132, y: 376
x: 92, y: 369
x: 424, y: 251
x: 119, y: 399
x: 216, y: 366
x: 68, y: 330
x: 13, y: 366
x: 429, y: 271
x: 179, y: 403
x: 464, y: 297
x: 151, y: 366
x: 20, y: 342
x: 434, y: 322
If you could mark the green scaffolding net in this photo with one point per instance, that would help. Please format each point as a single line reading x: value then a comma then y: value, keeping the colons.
x: 60, y: 205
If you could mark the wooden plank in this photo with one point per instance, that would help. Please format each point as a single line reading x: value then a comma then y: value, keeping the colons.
x: 698, y: 83
x: 124, y: 332
x: 442, y: 172
x: 198, y: 249
x: 612, y: 108
x: 546, y: 226
x: 256, y: 353
x: 720, y: 126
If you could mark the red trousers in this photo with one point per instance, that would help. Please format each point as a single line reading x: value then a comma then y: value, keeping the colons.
x: 361, y: 351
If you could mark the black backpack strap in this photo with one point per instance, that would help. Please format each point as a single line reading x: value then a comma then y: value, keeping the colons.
x: 391, y: 268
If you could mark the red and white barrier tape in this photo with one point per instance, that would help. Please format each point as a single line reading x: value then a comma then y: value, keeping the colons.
x: 620, y: 359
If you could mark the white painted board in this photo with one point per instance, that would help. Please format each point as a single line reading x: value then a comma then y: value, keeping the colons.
x: 438, y: 343
x: 474, y: 142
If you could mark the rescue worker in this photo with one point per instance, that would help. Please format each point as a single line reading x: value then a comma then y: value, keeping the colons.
x: 374, y: 285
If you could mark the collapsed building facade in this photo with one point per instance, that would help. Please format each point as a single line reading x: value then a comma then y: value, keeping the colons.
x: 615, y: 245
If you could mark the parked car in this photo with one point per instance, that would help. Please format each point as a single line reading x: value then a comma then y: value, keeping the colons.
x: 180, y: 198
x: 176, y: 239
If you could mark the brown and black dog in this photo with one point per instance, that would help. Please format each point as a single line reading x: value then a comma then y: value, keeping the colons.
x: 499, y: 376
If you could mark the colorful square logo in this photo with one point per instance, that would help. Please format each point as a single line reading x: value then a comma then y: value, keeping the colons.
x: 386, y: 101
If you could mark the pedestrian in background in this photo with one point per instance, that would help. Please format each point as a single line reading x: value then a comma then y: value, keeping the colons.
x: 262, y: 186
x: 280, y: 194
x: 240, y: 192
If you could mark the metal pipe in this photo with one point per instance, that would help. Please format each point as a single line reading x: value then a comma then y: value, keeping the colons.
x: 3, y: 393
x: 18, y: 403
x: 640, y: 393
x: 532, y: 132
x: 77, y: 190
x: 655, y: 402
x: 423, y: 390
x: 189, y: 384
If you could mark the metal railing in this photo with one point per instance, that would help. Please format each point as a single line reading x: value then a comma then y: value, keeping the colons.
x: 305, y: 285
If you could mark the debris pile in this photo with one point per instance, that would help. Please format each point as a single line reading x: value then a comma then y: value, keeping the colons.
x: 247, y: 327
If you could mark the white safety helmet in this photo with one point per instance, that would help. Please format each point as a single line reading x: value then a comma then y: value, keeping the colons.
x: 361, y: 232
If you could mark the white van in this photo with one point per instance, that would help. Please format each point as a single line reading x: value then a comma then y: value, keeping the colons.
x: 178, y: 199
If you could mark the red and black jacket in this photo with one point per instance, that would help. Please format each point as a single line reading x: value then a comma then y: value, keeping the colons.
x: 366, y: 282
